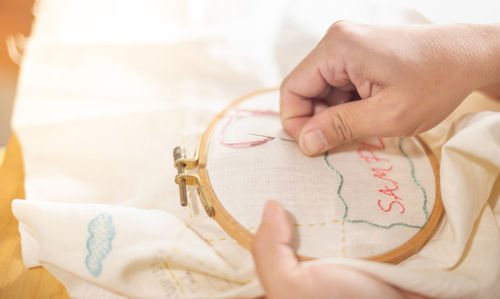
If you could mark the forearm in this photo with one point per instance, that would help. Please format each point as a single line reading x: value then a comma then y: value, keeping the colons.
x: 489, y: 58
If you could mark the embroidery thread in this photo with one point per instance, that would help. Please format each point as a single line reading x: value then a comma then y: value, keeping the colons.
x: 424, y: 208
x: 101, y: 234
x: 372, y: 158
x: 238, y: 113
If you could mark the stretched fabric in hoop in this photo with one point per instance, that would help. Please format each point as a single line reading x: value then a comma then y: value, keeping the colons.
x: 361, y: 200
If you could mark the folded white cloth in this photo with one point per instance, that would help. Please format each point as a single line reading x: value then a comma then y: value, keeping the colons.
x: 135, y: 252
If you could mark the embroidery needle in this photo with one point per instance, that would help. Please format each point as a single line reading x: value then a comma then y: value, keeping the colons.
x: 284, y: 139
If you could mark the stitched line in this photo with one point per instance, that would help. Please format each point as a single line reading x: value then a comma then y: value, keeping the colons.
x: 240, y: 113
x: 316, y: 224
x: 215, y: 273
x: 251, y: 228
x: 217, y: 239
x: 191, y: 199
x: 223, y: 276
x: 346, y: 207
x: 424, y: 208
x: 174, y: 277
x: 167, y: 260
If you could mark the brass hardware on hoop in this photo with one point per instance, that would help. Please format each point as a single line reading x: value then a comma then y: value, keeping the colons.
x: 183, y: 179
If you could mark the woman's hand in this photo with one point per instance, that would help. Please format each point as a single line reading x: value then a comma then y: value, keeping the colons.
x: 408, y: 79
x: 283, y: 277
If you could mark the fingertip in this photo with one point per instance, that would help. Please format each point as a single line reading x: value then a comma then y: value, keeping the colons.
x: 274, y: 225
x: 271, y: 209
x: 295, y: 111
x: 293, y: 126
x: 274, y: 231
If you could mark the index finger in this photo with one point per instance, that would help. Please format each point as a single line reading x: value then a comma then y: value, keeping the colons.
x: 298, y: 89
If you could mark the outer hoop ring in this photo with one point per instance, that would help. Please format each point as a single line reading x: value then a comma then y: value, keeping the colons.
x: 244, y: 237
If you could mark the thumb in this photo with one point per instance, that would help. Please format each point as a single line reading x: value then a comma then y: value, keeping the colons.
x: 343, y: 123
x: 273, y: 255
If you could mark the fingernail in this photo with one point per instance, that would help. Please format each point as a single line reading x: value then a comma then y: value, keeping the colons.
x: 269, y: 210
x: 313, y: 142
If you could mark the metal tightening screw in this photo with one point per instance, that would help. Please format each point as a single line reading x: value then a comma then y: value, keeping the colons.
x: 179, y: 154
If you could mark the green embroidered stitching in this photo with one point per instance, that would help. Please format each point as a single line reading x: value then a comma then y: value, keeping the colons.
x: 346, y: 208
x: 415, y: 179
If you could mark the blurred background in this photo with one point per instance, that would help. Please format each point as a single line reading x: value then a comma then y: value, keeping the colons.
x: 116, y: 52
x: 16, y: 19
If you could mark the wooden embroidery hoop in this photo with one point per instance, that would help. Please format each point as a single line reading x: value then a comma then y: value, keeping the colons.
x: 215, y: 209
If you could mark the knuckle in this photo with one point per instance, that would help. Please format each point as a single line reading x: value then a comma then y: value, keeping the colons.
x: 340, y: 129
x: 374, y: 100
x: 342, y: 28
x: 284, y: 84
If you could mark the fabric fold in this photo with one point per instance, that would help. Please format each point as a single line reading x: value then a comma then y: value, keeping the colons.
x: 133, y: 252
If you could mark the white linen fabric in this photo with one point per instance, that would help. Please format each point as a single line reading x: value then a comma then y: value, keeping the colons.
x: 108, y: 89
x: 360, y: 200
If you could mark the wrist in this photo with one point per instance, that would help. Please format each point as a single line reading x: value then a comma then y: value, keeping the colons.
x: 485, y: 65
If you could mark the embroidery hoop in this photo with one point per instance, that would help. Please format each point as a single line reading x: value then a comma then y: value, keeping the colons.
x: 243, y: 236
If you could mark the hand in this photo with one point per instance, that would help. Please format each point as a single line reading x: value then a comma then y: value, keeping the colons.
x: 408, y: 79
x: 282, y: 276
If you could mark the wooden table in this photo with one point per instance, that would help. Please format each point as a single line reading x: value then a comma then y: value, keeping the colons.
x: 15, y: 280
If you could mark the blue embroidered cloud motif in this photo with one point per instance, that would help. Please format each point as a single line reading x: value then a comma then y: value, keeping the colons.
x: 101, y: 233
